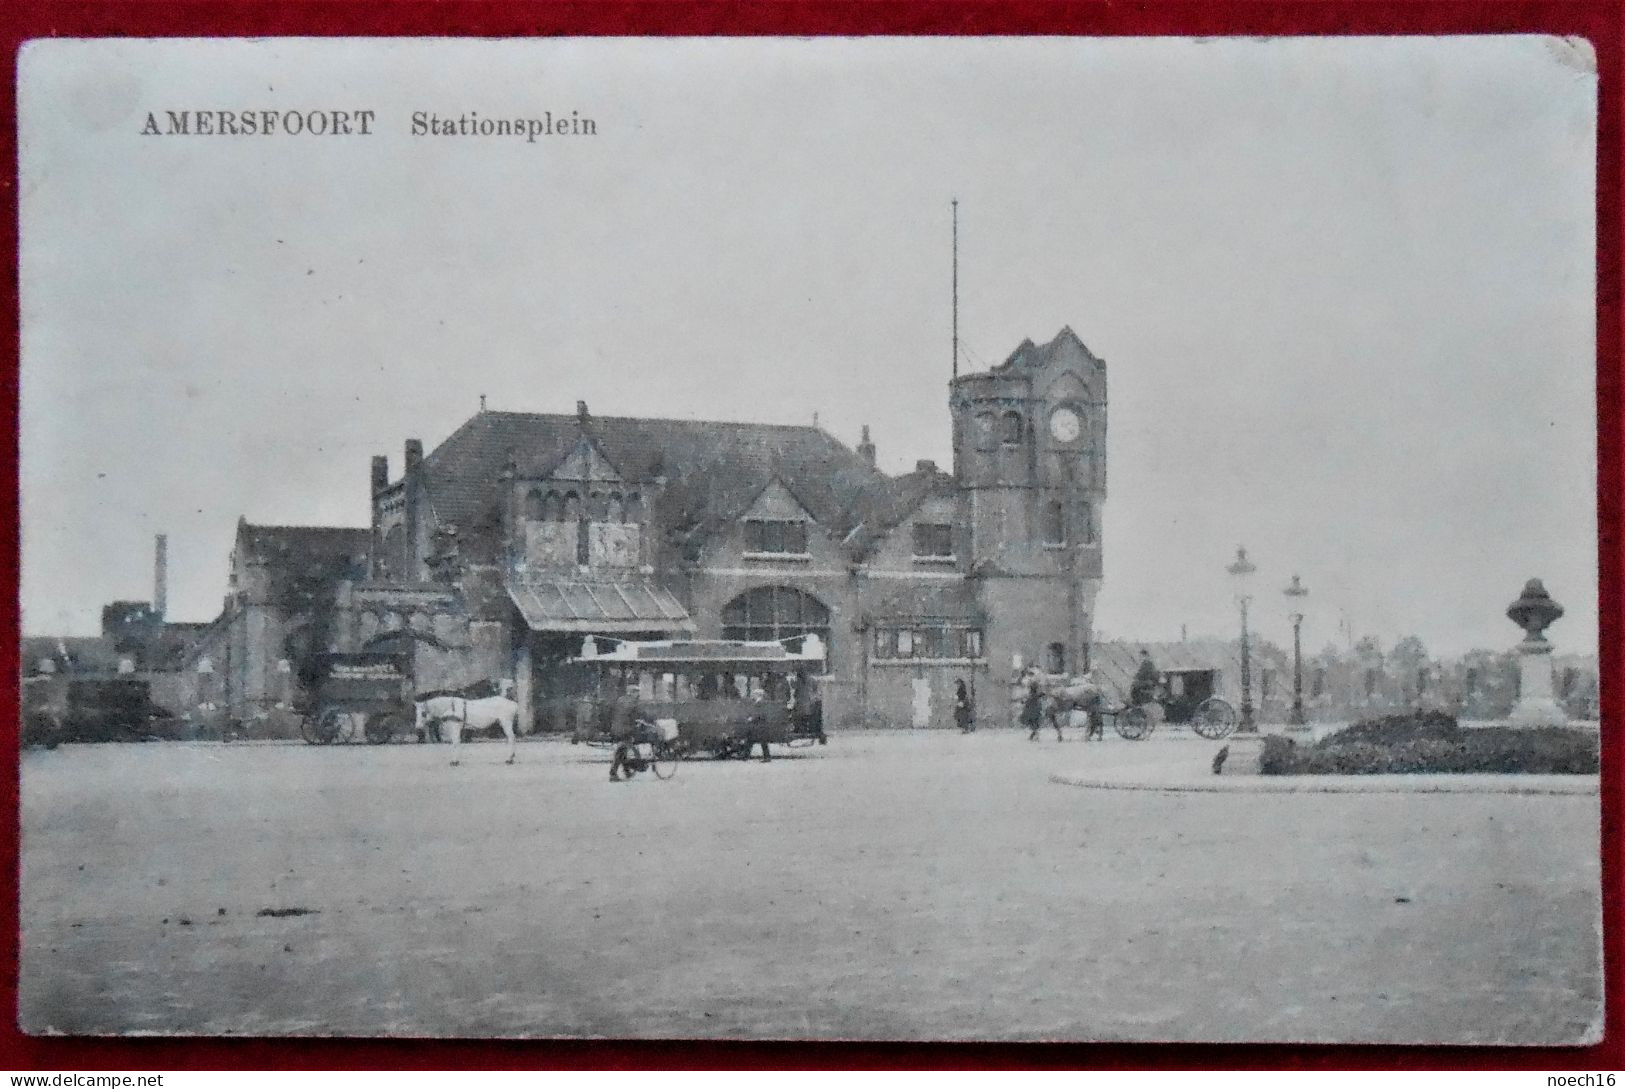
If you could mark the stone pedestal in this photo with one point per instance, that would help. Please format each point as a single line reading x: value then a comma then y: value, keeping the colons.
x: 1534, y: 611
x: 1246, y: 754
x: 1537, y: 705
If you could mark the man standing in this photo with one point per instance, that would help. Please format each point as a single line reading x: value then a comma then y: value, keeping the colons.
x: 1143, y: 689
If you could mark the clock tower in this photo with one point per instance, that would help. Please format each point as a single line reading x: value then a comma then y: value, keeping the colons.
x: 1030, y: 463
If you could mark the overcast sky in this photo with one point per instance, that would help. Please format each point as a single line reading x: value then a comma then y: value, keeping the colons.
x: 1344, y: 289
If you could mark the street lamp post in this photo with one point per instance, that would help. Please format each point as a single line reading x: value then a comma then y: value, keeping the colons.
x: 1240, y: 571
x: 1296, y: 593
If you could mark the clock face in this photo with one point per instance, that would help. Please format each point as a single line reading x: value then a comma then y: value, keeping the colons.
x: 1065, y: 425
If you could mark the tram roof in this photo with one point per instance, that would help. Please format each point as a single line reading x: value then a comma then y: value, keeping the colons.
x: 715, y: 652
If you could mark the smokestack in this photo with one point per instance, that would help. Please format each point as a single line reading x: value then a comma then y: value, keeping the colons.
x: 160, y: 575
x: 414, y: 455
x: 380, y: 473
x: 866, y: 449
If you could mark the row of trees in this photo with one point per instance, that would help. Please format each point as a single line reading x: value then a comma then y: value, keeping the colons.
x: 1365, y: 678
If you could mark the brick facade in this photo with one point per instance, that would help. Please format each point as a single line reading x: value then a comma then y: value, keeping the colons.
x: 496, y: 553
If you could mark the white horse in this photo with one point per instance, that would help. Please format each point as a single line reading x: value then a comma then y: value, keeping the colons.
x: 459, y: 712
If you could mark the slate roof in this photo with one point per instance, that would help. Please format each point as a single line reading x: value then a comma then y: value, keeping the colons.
x: 884, y: 505
x: 713, y: 469
x: 305, y: 561
x: 1030, y: 356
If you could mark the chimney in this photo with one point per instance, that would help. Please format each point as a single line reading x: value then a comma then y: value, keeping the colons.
x: 482, y: 402
x: 866, y: 449
x: 414, y: 458
x: 160, y: 575
x: 925, y: 465
x: 380, y: 473
x: 581, y: 413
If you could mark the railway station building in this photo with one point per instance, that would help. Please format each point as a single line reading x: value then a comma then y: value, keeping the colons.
x: 497, y: 553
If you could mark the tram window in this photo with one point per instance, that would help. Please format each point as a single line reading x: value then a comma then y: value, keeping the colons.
x: 905, y: 643
x: 972, y: 641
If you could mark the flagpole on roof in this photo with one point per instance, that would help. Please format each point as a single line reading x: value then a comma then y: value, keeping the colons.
x: 956, y: 288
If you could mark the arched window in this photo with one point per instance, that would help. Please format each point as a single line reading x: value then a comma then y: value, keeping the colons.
x: 775, y: 612
x: 615, y: 511
x: 572, y: 507
x: 986, y: 430
x: 533, y: 505
x: 553, y: 507
x: 1012, y: 431
x: 598, y: 508
x: 634, y: 507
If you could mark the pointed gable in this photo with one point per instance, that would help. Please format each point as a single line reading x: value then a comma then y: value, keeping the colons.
x: 777, y: 503
x: 587, y: 463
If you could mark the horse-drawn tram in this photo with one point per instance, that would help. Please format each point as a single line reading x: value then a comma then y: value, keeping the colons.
x: 367, y: 694
x: 717, y: 696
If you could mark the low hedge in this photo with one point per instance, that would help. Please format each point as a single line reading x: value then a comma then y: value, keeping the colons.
x: 1434, y: 742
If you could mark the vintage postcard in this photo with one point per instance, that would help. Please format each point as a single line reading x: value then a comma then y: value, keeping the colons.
x: 816, y: 539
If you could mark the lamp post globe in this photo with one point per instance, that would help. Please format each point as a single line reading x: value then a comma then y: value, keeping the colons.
x: 1241, y: 571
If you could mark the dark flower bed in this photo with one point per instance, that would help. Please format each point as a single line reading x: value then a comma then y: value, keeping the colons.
x: 1434, y: 742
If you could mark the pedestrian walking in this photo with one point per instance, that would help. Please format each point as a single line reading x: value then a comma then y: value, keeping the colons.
x: 964, y: 711
x: 1032, y: 710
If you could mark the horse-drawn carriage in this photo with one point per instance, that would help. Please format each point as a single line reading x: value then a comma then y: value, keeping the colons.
x: 722, y: 697
x: 365, y: 694
x: 1211, y: 718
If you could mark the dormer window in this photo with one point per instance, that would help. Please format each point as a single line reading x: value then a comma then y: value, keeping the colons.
x: 933, y: 542
x: 774, y: 538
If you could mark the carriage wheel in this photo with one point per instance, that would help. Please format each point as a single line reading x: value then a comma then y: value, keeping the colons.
x: 664, y: 762
x: 325, y: 728
x: 1214, y: 719
x: 1134, y: 724
x: 379, y: 728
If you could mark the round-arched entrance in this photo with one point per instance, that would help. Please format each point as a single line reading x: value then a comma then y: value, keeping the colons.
x: 775, y: 612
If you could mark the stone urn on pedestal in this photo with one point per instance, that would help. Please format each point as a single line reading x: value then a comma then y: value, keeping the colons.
x: 1534, y: 611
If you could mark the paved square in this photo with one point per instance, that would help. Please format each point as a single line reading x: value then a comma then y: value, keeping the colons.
x: 899, y: 886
